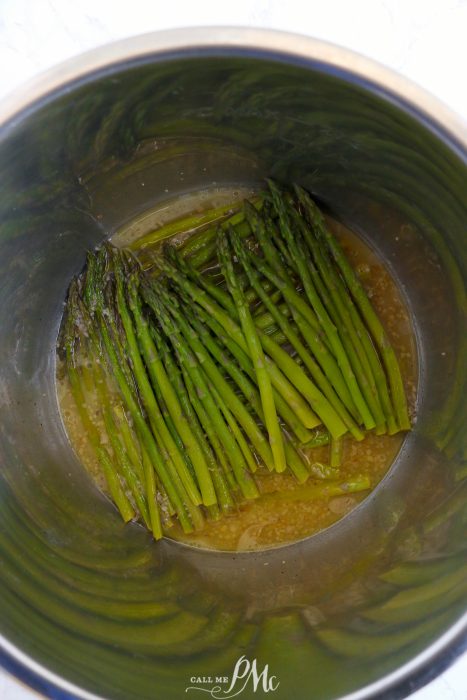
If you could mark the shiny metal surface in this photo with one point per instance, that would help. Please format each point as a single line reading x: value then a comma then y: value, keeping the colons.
x: 352, y: 612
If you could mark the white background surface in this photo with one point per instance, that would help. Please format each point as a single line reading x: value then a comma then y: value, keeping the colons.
x: 426, y: 40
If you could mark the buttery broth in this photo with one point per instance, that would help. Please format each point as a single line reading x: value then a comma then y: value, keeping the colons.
x: 300, y: 510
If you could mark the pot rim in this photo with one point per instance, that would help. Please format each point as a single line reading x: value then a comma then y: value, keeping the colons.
x: 282, y: 47
x: 239, y: 41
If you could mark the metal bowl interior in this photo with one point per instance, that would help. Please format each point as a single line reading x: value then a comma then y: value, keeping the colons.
x: 94, y: 608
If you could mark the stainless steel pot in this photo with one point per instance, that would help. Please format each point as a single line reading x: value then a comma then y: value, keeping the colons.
x: 373, y: 606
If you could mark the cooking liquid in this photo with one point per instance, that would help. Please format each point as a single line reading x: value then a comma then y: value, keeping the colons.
x: 270, y: 521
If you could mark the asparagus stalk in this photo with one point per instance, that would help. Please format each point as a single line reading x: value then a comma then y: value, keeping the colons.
x: 216, y: 292
x: 316, y: 399
x: 314, y: 369
x: 223, y: 391
x: 264, y: 320
x: 212, y: 434
x: 244, y: 362
x: 159, y: 378
x: 375, y: 363
x: 294, y: 460
x: 130, y: 469
x: 298, y: 254
x: 130, y: 441
x: 312, y: 337
x: 289, y: 392
x: 161, y: 462
x: 115, y: 488
x: 106, y: 330
x: 234, y: 427
x: 199, y: 424
x: 327, y: 489
x: 206, y: 248
x: 171, y: 426
x: 232, y: 401
x: 277, y: 379
x: 365, y: 362
x: 256, y: 353
x: 371, y: 319
x: 250, y: 294
x: 149, y: 400
x: 191, y: 366
x: 151, y: 494
x: 134, y: 472
x: 261, y: 228
x: 126, y: 467
x: 186, y: 224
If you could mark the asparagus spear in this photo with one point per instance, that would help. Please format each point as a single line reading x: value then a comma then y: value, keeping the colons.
x: 198, y: 424
x: 213, y: 510
x: 260, y: 226
x: 221, y: 486
x: 343, y: 308
x: 159, y: 378
x: 212, y: 434
x: 291, y: 395
x: 191, y: 366
x: 256, y: 354
x: 294, y: 460
x: 129, y: 469
x: 314, y: 369
x: 131, y: 442
x: 232, y: 401
x: 206, y: 249
x: 340, y: 316
x: 358, y: 292
x: 287, y: 414
x: 154, y: 414
x: 163, y: 465
x: 115, y: 488
x: 131, y: 459
x: 277, y: 379
x: 312, y: 337
x: 298, y: 254
x: 151, y: 494
x: 316, y: 399
x: 234, y: 427
x: 186, y: 224
x: 126, y: 467
x: 215, y: 291
x: 283, y: 360
x: 106, y: 331
x: 327, y: 489
x: 265, y: 320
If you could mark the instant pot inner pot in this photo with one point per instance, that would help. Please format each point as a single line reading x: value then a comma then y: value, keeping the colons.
x: 90, y: 602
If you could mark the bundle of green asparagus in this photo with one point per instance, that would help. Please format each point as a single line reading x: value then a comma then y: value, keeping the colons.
x: 237, y: 351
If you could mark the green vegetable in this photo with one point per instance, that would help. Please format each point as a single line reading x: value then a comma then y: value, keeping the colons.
x: 256, y: 353
x: 374, y: 324
x: 205, y: 374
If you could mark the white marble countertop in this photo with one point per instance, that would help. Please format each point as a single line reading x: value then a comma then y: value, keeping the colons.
x: 422, y: 39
